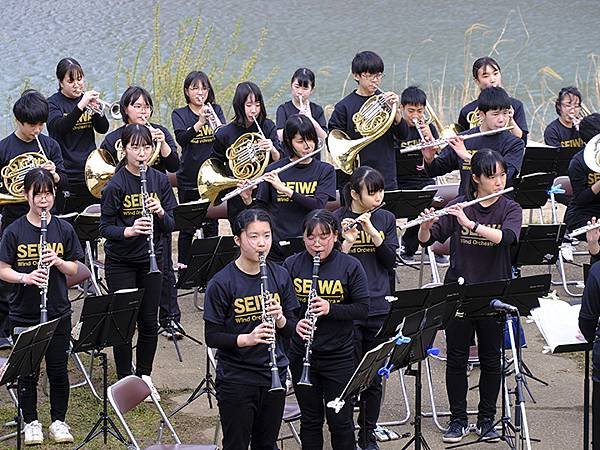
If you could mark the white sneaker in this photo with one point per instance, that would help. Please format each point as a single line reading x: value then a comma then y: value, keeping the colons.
x: 567, y: 252
x: 59, y: 432
x: 153, y: 390
x: 33, y: 433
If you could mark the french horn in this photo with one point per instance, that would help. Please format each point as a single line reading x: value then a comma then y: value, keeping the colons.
x: 13, y: 175
x: 591, y: 154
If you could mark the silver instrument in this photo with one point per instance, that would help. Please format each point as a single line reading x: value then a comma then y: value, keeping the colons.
x: 312, y: 318
x: 213, y: 120
x: 582, y: 230
x: 355, y: 223
x: 591, y: 154
x: 42, y: 265
x: 444, y: 211
x: 114, y: 109
x: 146, y: 213
x: 445, y: 140
x: 268, y: 319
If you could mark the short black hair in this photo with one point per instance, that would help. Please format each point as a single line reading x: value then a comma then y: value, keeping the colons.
x: 242, y: 91
x: 589, y: 127
x: 304, y: 77
x: 413, y: 95
x: 367, y: 62
x: 493, y: 98
x: 483, y: 62
x: 569, y: 90
x: 70, y: 67
x: 298, y: 124
x: 130, y: 96
x: 198, y: 77
x: 135, y: 134
x: 247, y: 216
x: 324, y: 219
x: 31, y: 107
x: 363, y: 176
x: 38, y: 179
x: 484, y: 162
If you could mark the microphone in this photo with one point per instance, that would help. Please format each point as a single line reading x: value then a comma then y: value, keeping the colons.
x: 501, y: 306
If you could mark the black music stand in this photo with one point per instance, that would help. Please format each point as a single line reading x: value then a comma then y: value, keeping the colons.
x: 291, y: 246
x: 106, y: 321
x: 547, y: 159
x: 539, y: 245
x: 531, y: 191
x: 87, y: 227
x: 25, y: 359
x: 519, y: 296
x: 189, y: 216
x: 408, y: 203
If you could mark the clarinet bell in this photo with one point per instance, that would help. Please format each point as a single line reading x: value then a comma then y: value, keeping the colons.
x: 153, y: 265
x: 275, y: 382
x: 305, y: 377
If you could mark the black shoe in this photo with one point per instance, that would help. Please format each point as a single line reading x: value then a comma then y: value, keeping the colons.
x: 486, y: 430
x: 371, y: 442
x: 442, y: 260
x: 455, y: 432
x: 407, y: 258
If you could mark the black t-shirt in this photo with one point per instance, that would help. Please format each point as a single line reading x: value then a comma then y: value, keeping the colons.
x: 10, y: 147
x: 313, y: 181
x: 20, y: 248
x: 287, y: 109
x: 519, y: 116
x: 505, y: 143
x: 378, y: 275
x: 343, y: 283
x: 380, y: 154
x: 196, y: 147
x: 558, y: 135
x: 73, y: 129
x: 170, y: 163
x: 584, y: 204
x: 590, y: 303
x: 473, y: 257
x: 409, y: 166
x: 122, y: 205
x: 233, y: 301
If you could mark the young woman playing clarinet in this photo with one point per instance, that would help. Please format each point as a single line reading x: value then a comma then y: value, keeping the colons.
x: 128, y: 221
x: 370, y: 236
x: 293, y: 193
x: 479, y: 234
x: 340, y: 296
x: 73, y: 117
x: 250, y: 116
x: 19, y: 258
x: 194, y: 126
x: 249, y: 308
x: 302, y: 86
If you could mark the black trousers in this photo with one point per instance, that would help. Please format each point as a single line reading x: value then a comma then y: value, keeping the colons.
x: 250, y: 415
x: 459, y: 333
x: 168, y: 306
x: 596, y: 396
x: 370, y: 398
x: 7, y: 290
x: 409, y: 237
x: 56, y: 358
x: 210, y: 227
x: 328, y: 377
x: 124, y: 275
x: 78, y: 198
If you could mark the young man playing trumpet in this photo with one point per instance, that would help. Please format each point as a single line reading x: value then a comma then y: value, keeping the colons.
x: 494, y: 110
x: 367, y: 70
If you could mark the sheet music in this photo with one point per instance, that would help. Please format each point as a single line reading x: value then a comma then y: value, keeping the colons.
x: 558, y: 322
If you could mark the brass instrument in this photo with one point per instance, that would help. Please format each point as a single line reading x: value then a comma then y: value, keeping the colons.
x: 147, y: 214
x: 577, y: 118
x: 13, y: 174
x: 372, y: 121
x: 473, y: 118
x: 99, y: 169
x: 265, y: 298
x: 42, y: 265
x: 312, y: 318
x: 246, y: 160
x: 444, y: 141
x: 157, y: 145
x: 213, y: 120
x: 444, y: 131
x: 591, y: 154
x: 444, y: 211
x: 114, y: 109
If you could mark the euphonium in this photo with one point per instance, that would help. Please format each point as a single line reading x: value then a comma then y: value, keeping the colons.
x: 99, y: 169
x: 43, y: 266
x: 146, y: 213
x: 372, y: 120
x: 265, y: 298
x: 312, y: 318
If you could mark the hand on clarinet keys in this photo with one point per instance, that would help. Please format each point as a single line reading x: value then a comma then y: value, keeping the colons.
x: 274, y: 309
x: 39, y: 277
x: 262, y: 334
x: 319, y: 307
x: 153, y: 204
x: 142, y: 225
x: 50, y: 257
x: 304, y: 329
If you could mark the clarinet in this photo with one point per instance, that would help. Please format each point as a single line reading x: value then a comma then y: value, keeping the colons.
x: 146, y: 213
x: 268, y: 319
x: 312, y: 318
x: 43, y: 266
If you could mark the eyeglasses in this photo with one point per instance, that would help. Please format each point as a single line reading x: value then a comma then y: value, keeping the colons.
x: 372, y: 76
x: 139, y: 148
x: 43, y: 195
x: 569, y: 105
x: 139, y: 107
x: 197, y: 88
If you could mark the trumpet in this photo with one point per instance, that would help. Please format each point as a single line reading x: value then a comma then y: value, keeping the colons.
x: 583, y: 230
x: 445, y: 140
x: 444, y: 211
x: 355, y: 222
x: 213, y: 120
x: 114, y: 109
x: 312, y: 318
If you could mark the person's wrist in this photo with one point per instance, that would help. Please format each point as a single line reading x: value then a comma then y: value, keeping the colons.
x: 22, y: 278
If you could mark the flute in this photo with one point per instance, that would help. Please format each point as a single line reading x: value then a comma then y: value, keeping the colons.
x: 355, y: 223
x: 444, y: 211
x: 583, y: 230
x: 444, y: 141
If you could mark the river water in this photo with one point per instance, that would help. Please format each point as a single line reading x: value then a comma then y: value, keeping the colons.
x: 421, y: 42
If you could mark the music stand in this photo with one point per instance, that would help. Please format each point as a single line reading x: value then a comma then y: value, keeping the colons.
x: 291, y: 246
x: 408, y: 203
x: 519, y: 296
x: 539, y: 245
x: 547, y: 159
x: 189, y: 216
x: 25, y: 359
x: 531, y: 191
x: 106, y: 321
x: 87, y: 228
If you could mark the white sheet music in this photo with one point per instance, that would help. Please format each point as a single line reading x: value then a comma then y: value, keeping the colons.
x: 558, y: 321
